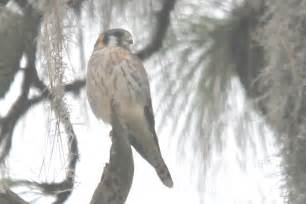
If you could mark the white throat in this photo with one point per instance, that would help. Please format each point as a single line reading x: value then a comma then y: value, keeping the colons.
x: 113, y: 41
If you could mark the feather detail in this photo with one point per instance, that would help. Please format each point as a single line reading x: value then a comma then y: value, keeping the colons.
x: 115, y: 73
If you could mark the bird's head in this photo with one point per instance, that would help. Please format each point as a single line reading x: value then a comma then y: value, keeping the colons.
x: 114, y: 37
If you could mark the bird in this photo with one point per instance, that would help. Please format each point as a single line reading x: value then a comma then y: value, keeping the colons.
x: 115, y: 73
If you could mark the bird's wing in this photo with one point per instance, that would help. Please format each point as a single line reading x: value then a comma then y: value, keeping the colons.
x: 139, y: 74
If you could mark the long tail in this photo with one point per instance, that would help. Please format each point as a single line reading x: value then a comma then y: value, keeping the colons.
x: 163, y: 173
x: 156, y: 160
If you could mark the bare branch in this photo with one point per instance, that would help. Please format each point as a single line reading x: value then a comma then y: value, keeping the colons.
x: 8, y: 123
x: 9, y: 197
x: 163, y: 22
x: 117, y: 177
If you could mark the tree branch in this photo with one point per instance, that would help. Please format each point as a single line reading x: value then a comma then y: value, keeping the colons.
x: 163, y: 22
x: 9, y: 197
x: 117, y: 177
x: 8, y: 123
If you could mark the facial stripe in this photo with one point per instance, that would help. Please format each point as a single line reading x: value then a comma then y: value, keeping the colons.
x: 106, y: 38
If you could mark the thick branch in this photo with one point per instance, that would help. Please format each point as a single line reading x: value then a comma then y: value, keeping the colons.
x: 8, y: 123
x: 9, y: 197
x: 163, y: 22
x: 117, y: 177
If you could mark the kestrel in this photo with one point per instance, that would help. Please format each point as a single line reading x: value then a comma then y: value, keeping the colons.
x: 114, y: 72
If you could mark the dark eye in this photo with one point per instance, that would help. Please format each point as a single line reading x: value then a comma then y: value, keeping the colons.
x: 106, y: 38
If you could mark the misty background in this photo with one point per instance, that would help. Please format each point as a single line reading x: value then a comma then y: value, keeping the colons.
x: 228, y: 89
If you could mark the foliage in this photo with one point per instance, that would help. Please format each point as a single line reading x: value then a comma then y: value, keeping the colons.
x: 283, y: 84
